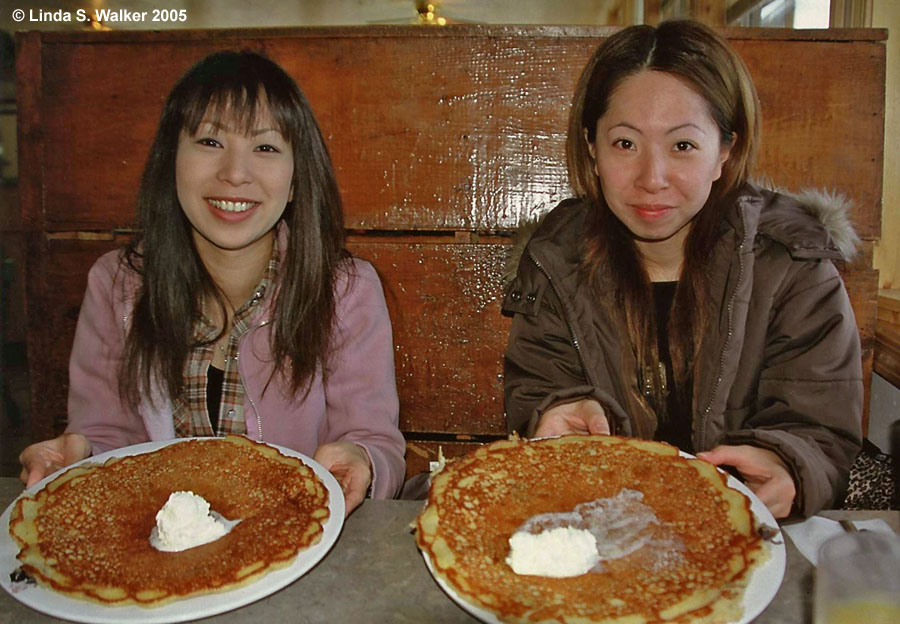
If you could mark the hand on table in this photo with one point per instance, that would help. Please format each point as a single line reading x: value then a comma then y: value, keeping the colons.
x: 763, y: 471
x: 350, y: 465
x: 581, y: 417
x: 43, y: 458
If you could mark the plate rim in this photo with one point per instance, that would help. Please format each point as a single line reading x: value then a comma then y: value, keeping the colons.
x: 59, y: 605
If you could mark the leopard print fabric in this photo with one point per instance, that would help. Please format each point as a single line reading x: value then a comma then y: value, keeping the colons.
x: 873, y: 481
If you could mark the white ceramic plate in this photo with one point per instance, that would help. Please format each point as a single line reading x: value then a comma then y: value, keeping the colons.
x: 763, y: 586
x: 61, y: 606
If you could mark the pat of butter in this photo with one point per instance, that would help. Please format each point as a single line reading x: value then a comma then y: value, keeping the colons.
x: 185, y: 522
x: 559, y: 552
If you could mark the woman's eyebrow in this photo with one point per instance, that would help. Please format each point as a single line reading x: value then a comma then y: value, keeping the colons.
x: 625, y: 124
x: 689, y: 124
x: 217, y: 125
x: 259, y: 131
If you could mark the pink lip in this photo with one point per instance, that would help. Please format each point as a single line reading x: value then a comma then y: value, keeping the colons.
x: 651, y: 212
x: 232, y: 217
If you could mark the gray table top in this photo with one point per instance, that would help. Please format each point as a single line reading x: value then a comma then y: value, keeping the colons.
x: 374, y: 573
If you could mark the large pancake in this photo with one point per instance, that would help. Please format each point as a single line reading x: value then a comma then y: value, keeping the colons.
x: 86, y: 534
x: 706, y: 540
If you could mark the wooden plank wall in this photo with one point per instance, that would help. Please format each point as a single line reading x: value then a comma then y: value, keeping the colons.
x: 444, y: 141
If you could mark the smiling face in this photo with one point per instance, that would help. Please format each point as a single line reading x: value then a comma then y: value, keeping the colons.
x: 233, y: 186
x: 657, y: 153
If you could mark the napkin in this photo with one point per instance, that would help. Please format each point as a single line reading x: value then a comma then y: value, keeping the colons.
x: 810, y: 534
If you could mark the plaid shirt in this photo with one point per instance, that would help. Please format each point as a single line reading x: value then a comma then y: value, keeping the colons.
x: 190, y: 414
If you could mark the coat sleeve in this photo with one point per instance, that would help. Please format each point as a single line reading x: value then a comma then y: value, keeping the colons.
x: 810, y: 397
x: 95, y: 408
x: 361, y: 391
x: 542, y: 367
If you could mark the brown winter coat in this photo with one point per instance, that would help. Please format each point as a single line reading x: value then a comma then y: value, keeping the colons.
x: 779, y: 367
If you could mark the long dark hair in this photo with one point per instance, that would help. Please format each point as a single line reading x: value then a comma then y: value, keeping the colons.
x: 174, y: 280
x: 706, y: 62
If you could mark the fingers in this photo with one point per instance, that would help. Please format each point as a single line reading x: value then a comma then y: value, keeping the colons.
x: 723, y: 454
x: 25, y: 477
x: 43, y: 458
x: 33, y: 476
x: 764, y: 472
x: 581, y: 417
x: 37, y: 470
x: 350, y: 465
x: 751, y: 461
x: 39, y: 460
x: 552, y: 426
x: 354, y: 495
x: 598, y: 425
x: 354, y: 483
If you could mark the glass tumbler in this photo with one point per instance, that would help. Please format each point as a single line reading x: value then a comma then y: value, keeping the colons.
x: 858, y: 580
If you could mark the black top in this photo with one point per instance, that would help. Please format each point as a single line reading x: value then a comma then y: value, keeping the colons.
x: 214, y: 379
x: 675, y: 425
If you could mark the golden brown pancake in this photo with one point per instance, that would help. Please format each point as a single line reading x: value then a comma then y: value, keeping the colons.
x: 702, y: 544
x: 86, y: 533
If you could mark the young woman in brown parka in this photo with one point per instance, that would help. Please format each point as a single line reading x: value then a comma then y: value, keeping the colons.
x: 674, y: 300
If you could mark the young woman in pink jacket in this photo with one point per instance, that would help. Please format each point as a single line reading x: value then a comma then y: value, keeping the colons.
x: 236, y: 309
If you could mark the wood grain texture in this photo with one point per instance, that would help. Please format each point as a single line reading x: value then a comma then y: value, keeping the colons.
x: 823, y: 129
x: 29, y: 94
x: 887, y: 337
x: 57, y: 277
x: 449, y: 335
x: 889, y: 306
x: 450, y: 31
x: 887, y: 353
x: 441, y: 132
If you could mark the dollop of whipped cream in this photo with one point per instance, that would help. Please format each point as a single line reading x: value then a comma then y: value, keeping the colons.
x: 560, y: 552
x: 185, y: 522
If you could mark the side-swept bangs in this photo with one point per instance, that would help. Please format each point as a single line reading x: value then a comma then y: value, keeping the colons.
x: 233, y: 88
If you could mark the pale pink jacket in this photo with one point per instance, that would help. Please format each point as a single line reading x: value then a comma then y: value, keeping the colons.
x: 358, y: 404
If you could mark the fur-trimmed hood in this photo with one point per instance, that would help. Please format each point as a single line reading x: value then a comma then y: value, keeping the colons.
x: 829, y: 229
x: 832, y: 210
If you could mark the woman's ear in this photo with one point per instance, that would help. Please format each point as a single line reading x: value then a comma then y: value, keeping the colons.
x: 725, y: 153
x: 728, y: 148
x: 589, y: 144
